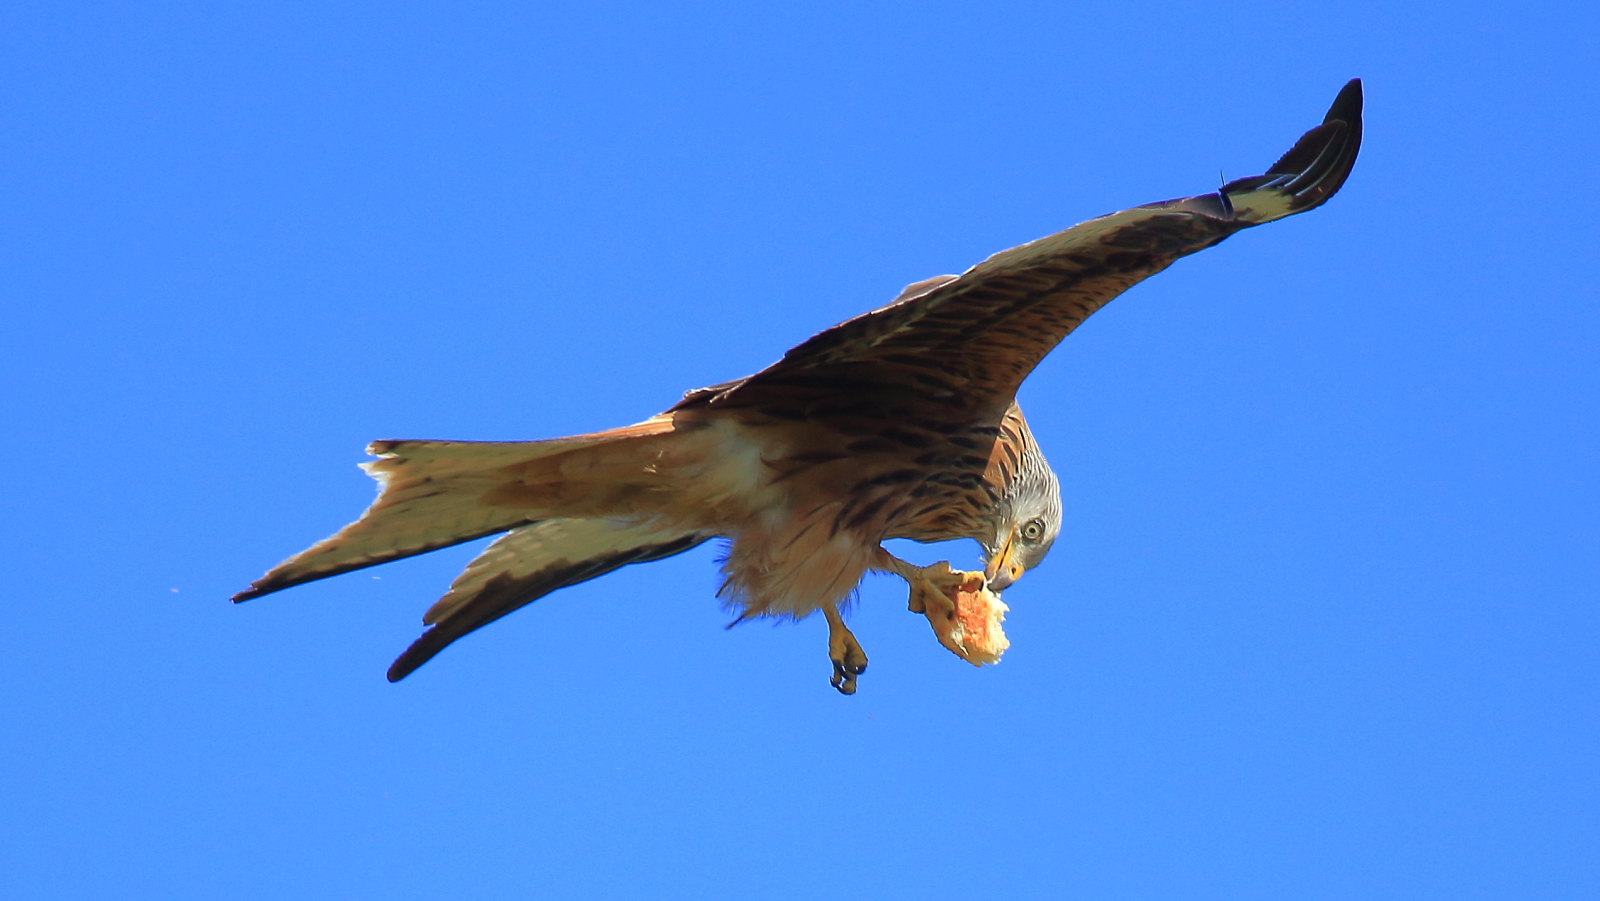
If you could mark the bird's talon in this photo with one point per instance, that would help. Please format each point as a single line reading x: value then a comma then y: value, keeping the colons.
x: 844, y: 678
x: 849, y: 660
x: 847, y: 687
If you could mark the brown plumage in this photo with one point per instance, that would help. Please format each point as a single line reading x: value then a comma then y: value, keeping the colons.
x: 900, y: 423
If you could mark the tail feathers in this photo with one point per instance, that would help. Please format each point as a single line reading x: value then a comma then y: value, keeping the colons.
x: 528, y: 564
x: 434, y: 494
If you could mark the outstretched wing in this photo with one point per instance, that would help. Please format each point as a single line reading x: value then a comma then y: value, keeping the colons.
x: 975, y: 337
x: 529, y: 563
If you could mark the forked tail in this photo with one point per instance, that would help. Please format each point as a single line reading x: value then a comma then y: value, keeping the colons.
x: 434, y: 494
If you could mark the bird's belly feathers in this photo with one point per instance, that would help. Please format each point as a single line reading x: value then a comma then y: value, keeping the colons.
x: 814, y: 512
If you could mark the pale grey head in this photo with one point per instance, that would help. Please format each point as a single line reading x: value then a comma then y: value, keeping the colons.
x: 1027, y: 520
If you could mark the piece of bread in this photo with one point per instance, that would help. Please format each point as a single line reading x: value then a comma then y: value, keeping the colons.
x: 964, y: 613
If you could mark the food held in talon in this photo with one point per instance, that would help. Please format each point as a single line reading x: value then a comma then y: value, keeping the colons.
x: 968, y: 623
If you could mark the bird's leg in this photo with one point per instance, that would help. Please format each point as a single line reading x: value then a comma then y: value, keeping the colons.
x: 849, y: 661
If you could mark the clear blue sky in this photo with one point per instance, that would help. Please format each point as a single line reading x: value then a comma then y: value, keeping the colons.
x: 1322, y: 623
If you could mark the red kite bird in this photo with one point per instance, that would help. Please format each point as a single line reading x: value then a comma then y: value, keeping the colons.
x: 900, y: 423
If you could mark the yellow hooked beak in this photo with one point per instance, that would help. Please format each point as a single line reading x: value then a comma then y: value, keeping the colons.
x: 1001, y: 570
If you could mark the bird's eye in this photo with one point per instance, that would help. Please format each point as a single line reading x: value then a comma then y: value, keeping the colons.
x: 1033, y: 531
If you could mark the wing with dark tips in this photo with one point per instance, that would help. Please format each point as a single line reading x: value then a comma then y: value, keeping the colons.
x: 977, y: 336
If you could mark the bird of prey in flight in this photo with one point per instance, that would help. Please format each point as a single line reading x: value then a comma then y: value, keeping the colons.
x: 899, y: 423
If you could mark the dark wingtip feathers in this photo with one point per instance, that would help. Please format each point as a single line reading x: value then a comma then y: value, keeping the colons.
x: 1323, y: 177
x: 421, y: 651
x: 1317, y: 165
x: 262, y: 586
x: 1347, y: 106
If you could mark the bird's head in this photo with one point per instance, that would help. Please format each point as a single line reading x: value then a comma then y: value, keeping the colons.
x: 1028, y: 520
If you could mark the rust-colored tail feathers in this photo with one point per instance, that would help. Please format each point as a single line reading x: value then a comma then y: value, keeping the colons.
x: 434, y: 494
